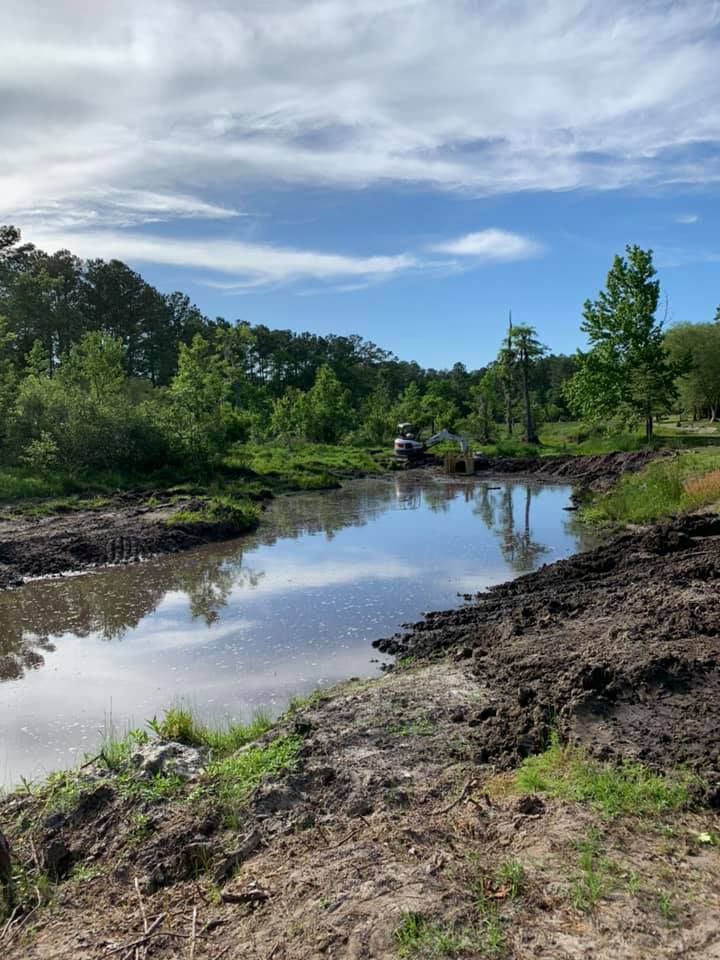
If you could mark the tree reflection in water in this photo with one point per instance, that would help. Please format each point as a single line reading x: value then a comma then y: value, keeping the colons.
x: 109, y: 603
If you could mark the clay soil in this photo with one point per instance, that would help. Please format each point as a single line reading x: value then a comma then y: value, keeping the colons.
x: 401, y: 801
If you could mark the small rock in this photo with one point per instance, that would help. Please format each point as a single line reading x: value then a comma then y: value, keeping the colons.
x: 458, y: 715
x: 170, y: 759
x: 359, y: 807
x: 94, y: 800
x: 5, y: 862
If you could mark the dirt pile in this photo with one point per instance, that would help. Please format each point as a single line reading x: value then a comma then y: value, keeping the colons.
x: 388, y: 815
x: 594, y: 472
x: 619, y: 648
x: 127, y: 530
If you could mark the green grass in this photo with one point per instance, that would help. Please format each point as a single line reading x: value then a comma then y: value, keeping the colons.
x: 627, y: 788
x: 181, y: 725
x: 418, y: 939
x: 661, y: 490
x: 240, y: 514
x: 230, y: 780
x: 593, y: 880
x: 303, y: 466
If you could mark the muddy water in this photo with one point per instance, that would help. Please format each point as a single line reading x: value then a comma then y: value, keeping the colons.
x: 247, y: 624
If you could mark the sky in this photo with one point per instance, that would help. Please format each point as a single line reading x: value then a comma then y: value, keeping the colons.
x: 409, y: 170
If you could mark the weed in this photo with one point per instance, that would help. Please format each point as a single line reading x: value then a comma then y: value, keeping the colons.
x: 511, y: 874
x: 662, y: 489
x: 182, y: 726
x: 230, y: 780
x: 298, y: 702
x: 240, y: 514
x: 140, y: 827
x: 666, y: 907
x: 587, y: 888
x: 422, y: 727
x: 633, y: 883
x: 85, y: 871
x: 416, y: 937
x: 624, y: 788
x: 116, y: 751
x: 148, y: 790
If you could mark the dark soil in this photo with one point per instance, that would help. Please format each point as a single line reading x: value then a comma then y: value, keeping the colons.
x: 127, y: 530
x: 619, y: 648
x: 593, y: 472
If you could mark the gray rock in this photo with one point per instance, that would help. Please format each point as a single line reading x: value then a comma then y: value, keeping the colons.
x: 169, y: 759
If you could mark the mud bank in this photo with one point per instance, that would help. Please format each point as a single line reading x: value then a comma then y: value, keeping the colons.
x: 595, y: 473
x: 128, y: 529
x: 131, y: 528
x: 618, y: 648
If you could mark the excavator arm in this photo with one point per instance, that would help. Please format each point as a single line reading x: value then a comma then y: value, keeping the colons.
x: 446, y: 435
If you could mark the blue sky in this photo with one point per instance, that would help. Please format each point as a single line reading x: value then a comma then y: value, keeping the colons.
x: 404, y: 169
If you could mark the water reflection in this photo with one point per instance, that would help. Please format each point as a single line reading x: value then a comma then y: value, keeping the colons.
x: 108, y: 604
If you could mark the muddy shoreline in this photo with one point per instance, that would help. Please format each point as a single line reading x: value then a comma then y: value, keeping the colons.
x: 395, y: 806
x: 131, y: 528
x: 617, y: 648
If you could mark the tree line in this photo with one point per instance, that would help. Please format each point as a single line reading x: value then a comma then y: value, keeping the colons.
x: 100, y: 371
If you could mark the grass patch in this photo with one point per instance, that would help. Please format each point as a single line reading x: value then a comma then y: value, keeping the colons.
x: 418, y: 939
x: 662, y: 489
x: 181, y: 725
x: 592, y: 881
x: 240, y: 514
x: 230, y: 780
x: 613, y: 789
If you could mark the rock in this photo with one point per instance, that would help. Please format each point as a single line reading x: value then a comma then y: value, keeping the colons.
x: 169, y: 759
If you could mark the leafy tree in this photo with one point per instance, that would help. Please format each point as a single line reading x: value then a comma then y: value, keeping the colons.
x: 627, y: 369
x: 695, y: 347
x: 329, y: 414
x: 202, y: 420
x: 485, y: 396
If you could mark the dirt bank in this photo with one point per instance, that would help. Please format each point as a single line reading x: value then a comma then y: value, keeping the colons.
x: 126, y: 529
x: 593, y: 472
x: 618, y: 648
x: 390, y: 821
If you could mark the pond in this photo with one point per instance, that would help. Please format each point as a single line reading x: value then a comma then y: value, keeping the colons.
x: 243, y: 625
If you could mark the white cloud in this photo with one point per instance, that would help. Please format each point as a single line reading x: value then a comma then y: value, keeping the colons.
x: 490, y: 244
x: 118, y: 114
x: 687, y: 218
x: 255, y: 263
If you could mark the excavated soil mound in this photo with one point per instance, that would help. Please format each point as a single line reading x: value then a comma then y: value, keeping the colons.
x: 124, y: 532
x: 618, y: 648
x: 594, y: 472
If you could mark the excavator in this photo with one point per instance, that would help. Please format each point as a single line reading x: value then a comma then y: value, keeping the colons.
x: 408, y: 447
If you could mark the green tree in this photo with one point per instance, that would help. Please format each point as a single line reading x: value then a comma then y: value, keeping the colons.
x: 527, y: 350
x: 627, y: 369
x: 201, y: 417
x: 329, y: 414
x: 696, y: 348
x: 485, y: 394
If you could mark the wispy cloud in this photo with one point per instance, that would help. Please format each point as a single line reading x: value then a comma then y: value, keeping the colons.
x: 183, y: 99
x: 490, y: 244
x: 687, y: 218
x: 251, y: 264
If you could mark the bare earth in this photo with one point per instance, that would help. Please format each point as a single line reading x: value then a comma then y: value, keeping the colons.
x: 399, y: 802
